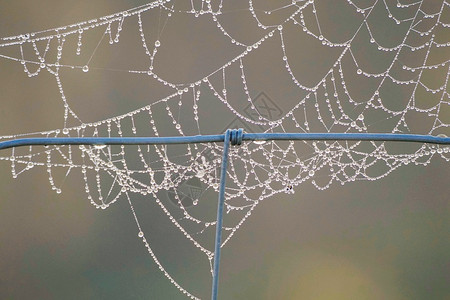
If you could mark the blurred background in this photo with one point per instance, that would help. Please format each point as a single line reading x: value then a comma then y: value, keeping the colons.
x: 386, y: 239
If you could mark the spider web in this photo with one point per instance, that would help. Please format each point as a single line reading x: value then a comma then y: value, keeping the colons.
x: 385, y: 69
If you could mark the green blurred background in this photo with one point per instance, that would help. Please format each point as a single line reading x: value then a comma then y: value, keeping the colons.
x: 387, y: 239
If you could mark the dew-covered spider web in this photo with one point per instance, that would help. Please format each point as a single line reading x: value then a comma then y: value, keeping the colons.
x: 265, y: 66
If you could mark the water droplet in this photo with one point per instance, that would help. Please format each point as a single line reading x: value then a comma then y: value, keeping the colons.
x: 200, y: 173
x: 157, y: 43
x: 65, y: 131
x: 259, y: 142
x: 99, y: 146
x: 140, y: 234
x: 86, y: 69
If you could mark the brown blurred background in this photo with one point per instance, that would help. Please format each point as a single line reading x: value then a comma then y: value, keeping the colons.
x: 387, y: 239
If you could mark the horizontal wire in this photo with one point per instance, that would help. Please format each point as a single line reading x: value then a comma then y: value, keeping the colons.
x: 220, y: 138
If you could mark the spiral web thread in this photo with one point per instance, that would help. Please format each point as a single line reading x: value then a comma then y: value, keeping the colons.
x: 258, y: 170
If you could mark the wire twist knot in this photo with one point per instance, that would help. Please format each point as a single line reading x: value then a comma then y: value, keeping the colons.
x: 236, y: 136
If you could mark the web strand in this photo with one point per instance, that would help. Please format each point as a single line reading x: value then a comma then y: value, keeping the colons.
x: 179, y: 179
